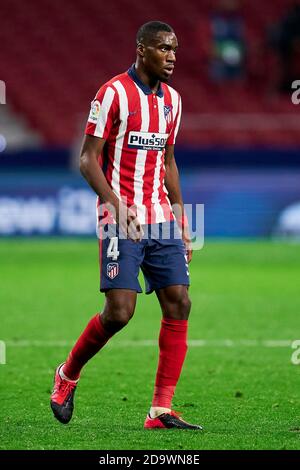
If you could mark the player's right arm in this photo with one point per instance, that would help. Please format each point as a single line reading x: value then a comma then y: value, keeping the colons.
x: 104, y: 113
x: 90, y: 169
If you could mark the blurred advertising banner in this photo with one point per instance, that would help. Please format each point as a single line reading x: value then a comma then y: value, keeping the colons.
x: 46, y: 205
x: 238, y: 203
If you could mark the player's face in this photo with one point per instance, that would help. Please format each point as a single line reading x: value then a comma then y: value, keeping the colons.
x: 160, y: 56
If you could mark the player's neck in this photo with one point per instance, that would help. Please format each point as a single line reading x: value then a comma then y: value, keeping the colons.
x: 153, y: 84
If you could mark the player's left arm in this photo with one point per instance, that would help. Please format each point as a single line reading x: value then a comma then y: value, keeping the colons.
x: 174, y: 193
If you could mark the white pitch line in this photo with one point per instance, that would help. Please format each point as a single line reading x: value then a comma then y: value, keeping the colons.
x: 280, y: 343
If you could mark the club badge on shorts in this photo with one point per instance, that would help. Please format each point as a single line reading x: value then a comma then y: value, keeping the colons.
x: 112, y: 270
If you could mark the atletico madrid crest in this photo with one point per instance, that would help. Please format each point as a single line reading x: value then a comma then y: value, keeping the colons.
x: 112, y: 270
x: 167, y: 113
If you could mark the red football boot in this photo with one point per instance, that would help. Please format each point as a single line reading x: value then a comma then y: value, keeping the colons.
x: 168, y: 421
x: 62, y: 397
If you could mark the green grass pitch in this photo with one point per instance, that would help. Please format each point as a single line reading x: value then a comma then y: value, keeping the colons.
x: 245, y: 392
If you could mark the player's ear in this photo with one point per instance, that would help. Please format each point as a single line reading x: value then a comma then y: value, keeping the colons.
x: 140, y: 49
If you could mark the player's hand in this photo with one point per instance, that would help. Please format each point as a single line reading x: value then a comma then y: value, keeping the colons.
x: 186, y: 238
x: 129, y: 223
x: 134, y: 229
x: 188, y: 247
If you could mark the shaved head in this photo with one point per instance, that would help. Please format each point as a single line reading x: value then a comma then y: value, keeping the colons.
x: 148, y: 31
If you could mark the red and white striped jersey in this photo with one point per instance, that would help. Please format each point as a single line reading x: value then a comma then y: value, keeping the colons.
x: 137, y: 124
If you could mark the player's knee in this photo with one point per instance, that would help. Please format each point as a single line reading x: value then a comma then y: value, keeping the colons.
x: 123, y: 314
x: 116, y: 318
x: 178, y: 307
x: 184, y: 307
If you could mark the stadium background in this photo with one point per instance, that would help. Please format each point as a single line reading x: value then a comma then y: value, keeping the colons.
x: 238, y: 153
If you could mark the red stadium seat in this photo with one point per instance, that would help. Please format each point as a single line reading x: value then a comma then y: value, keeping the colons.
x: 63, y: 54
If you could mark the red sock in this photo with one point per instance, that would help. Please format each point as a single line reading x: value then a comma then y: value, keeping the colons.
x: 93, y: 338
x: 173, y: 347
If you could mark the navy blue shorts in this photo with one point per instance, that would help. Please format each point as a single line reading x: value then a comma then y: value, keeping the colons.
x: 160, y: 254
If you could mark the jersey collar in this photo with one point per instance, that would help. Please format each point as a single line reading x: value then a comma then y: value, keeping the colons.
x: 147, y: 90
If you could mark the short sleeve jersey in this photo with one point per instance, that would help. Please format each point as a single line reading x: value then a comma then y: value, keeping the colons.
x: 136, y: 124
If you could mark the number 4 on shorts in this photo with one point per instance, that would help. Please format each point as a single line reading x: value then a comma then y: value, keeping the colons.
x: 112, y: 250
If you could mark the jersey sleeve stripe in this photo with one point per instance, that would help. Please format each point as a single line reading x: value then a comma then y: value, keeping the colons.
x: 104, y: 110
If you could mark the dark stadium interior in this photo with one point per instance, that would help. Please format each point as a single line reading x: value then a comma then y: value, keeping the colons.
x: 56, y: 57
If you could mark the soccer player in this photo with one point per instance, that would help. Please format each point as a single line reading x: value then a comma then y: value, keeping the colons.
x: 127, y: 158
